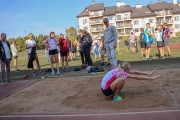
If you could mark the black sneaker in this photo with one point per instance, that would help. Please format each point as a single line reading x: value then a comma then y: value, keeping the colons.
x: 108, y: 64
x: 34, y: 74
x: 150, y: 59
x: 102, y: 64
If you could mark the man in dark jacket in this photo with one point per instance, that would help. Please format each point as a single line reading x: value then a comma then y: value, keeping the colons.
x: 5, y: 59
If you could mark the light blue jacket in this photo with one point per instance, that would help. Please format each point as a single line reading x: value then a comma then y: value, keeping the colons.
x: 110, y: 34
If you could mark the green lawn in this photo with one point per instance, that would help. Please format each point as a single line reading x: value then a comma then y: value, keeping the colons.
x: 122, y: 56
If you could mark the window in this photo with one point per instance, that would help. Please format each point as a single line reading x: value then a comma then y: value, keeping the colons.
x: 126, y: 16
x: 177, y: 26
x: 98, y: 35
x: 85, y: 28
x: 97, y: 20
x: 159, y: 21
x: 136, y: 30
x: 119, y: 17
x: 176, y: 18
x: 98, y: 27
x: 128, y: 31
x: 151, y: 21
x: 96, y: 13
x: 111, y: 23
x: 109, y: 17
x: 84, y: 21
x: 120, y: 24
x: 136, y: 22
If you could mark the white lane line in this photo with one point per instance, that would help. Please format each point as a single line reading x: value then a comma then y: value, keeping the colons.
x: 86, y: 115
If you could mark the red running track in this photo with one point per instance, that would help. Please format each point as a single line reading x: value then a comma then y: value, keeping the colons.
x: 9, y: 89
x: 141, y: 115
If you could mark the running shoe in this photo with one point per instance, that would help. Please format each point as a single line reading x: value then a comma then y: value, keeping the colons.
x: 102, y: 64
x: 52, y: 73
x: 41, y: 72
x: 17, y: 70
x: 117, y: 98
x: 123, y: 91
x: 58, y: 73
x: 34, y: 73
x: 108, y: 64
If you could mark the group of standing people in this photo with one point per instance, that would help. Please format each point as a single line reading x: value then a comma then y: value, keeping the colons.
x: 107, y: 45
x: 162, y: 37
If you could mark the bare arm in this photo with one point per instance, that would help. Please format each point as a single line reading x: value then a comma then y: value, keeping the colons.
x: 142, y: 77
x: 142, y: 72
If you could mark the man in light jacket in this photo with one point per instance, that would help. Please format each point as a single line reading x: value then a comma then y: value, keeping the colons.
x: 110, y: 41
x: 5, y: 59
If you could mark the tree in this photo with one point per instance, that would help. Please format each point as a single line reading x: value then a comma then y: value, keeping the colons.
x: 71, y: 33
x: 21, y: 44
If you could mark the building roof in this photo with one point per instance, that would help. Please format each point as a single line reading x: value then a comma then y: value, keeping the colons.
x: 144, y: 11
x: 96, y: 7
x: 160, y: 6
x: 109, y: 10
x: 176, y: 9
x: 84, y: 13
x: 124, y: 8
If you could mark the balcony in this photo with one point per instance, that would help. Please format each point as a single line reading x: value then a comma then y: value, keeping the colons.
x: 120, y: 27
x: 167, y: 13
x: 171, y: 29
x: 96, y: 22
x: 123, y: 19
x: 127, y: 19
x: 95, y: 30
x: 159, y: 22
x: 119, y: 19
x: 96, y: 15
x: 98, y: 37
x: 159, y: 15
x: 128, y: 25
x: 169, y: 22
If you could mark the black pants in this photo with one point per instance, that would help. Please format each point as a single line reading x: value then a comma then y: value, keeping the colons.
x: 82, y: 57
x: 87, y: 54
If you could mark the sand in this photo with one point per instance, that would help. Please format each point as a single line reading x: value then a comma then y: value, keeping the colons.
x: 83, y: 95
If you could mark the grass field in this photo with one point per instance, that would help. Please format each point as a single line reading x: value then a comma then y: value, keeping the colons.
x: 122, y: 56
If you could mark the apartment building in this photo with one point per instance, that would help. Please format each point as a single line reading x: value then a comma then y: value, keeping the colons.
x: 129, y: 19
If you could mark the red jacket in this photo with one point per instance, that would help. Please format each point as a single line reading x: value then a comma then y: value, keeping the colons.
x: 63, y: 43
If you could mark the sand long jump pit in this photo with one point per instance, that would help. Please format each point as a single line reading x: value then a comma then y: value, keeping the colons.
x: 83, y: 95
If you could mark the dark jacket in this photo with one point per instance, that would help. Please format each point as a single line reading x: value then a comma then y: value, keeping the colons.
x: 2, y: 52
x: 87, y: 41
x: 32, y: 58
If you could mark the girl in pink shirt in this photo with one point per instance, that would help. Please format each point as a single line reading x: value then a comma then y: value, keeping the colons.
x: 114, y: 80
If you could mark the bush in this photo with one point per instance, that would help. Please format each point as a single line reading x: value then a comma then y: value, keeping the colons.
x: 177, y: 34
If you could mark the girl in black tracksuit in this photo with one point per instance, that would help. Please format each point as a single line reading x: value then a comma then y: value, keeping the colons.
x: 87, y: 42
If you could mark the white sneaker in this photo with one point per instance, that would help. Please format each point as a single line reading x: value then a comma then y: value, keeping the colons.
x: 58, y: 73
x: 88, y: 68
x: 52, y: 73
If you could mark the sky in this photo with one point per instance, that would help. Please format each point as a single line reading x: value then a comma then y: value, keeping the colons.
x: 20, y: 17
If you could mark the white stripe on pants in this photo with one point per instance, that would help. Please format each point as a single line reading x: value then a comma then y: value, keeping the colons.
x: 111, y: 53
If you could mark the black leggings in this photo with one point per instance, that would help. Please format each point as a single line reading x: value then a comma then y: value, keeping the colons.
x: 82, y: 58
x: 87, y: 54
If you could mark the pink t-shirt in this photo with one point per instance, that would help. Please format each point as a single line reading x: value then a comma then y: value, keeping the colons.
x: 111, y: 76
